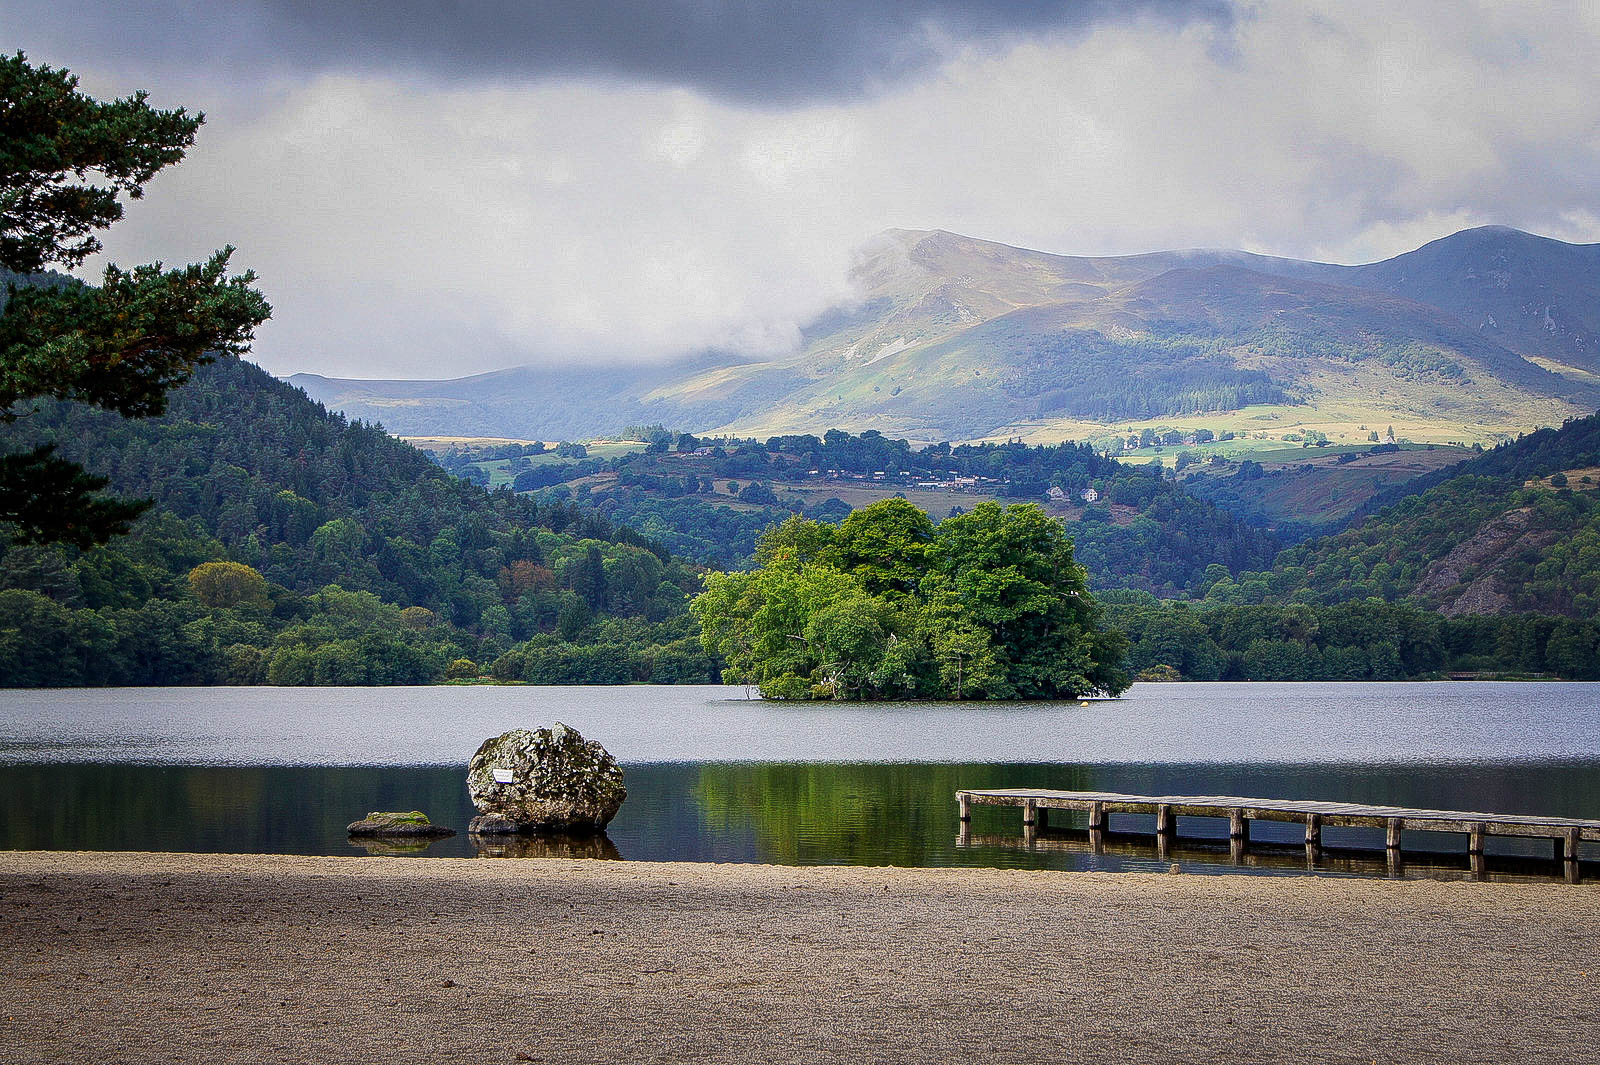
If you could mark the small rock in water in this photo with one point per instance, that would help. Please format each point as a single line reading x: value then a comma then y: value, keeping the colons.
x: 393, y: 823
x: 544, y: 779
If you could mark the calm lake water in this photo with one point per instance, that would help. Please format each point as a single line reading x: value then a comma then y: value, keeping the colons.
x: 714, y: 776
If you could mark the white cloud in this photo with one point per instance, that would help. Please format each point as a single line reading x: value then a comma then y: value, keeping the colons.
x: 402, y: 229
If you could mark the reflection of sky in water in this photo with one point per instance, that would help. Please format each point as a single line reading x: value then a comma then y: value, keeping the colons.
x: 1418, y: 723
x: 715, y: 777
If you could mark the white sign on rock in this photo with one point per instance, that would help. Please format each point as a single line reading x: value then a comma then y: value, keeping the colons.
x: 504, y: 776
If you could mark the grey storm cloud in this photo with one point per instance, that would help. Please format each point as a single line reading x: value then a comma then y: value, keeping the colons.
x: 771, y: 52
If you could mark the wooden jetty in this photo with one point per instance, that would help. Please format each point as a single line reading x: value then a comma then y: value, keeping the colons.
x: 1567, y: 833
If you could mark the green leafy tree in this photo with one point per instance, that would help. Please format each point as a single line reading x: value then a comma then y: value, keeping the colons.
x: 850, y: 635
x: 220, y: 585
x: 885, y: 545
x: 66, y: 162
x: 1012, y: 572
x: 988, y: 604
x: 797, y: 539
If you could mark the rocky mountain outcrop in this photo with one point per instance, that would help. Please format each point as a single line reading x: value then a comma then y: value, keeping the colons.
x: 1469, y: 580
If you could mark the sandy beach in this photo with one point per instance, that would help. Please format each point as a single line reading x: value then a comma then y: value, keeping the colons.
x: 217, y: 958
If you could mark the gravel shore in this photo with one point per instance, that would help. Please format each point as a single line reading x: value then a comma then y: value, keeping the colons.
x: 129, y: 957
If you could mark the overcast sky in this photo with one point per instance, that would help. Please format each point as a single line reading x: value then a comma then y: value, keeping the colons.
x: 432, y: 194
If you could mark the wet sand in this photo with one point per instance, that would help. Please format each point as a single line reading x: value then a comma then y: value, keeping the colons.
x: 204, y: 958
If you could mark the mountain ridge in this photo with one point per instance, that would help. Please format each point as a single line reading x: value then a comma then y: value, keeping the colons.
x: 952, y: 337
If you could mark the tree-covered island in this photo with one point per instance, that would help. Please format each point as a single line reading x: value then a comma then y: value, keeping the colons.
x: 888, y: 605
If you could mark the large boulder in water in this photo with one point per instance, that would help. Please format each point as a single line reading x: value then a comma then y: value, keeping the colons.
x: 548, y: 779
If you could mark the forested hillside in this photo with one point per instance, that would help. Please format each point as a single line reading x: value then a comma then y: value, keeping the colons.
x: 288, y: 545
x: 1352, y: 641
x: 1493, y: 568
x: 710, y: 499
x: 1515, y: 529
x: 1298, y: 501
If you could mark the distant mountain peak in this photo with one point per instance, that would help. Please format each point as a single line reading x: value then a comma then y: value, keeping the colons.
x: 955, y: 337
x: 1495, y: 235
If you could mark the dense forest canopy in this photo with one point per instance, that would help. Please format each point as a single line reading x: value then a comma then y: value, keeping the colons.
x: 360, y: 560
x: 288, y: 545
x: 988, y: 604
x: 1183, y: 374
x: 1351, y: 641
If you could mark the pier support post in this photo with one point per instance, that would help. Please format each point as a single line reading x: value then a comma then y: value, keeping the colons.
x: 966, y: 807
x: 1479, y: 865
x: 1097, y: 817
x: 1569, y: 849
x: 1397, y: 865
x: 1166, y: 823
x: 1475, y: 839
x: 1097, y: 841
x: 1238, y: 827
x: 1313, y: 830
x: 1030, y: 812
x: 1392, y: 835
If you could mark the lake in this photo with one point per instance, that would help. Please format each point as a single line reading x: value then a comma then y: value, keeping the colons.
x: 715, y: 776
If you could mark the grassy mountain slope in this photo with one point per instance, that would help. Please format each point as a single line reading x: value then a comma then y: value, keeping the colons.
x: 531, y: 403
x: 956, y: 338
x: 1186, y: 343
